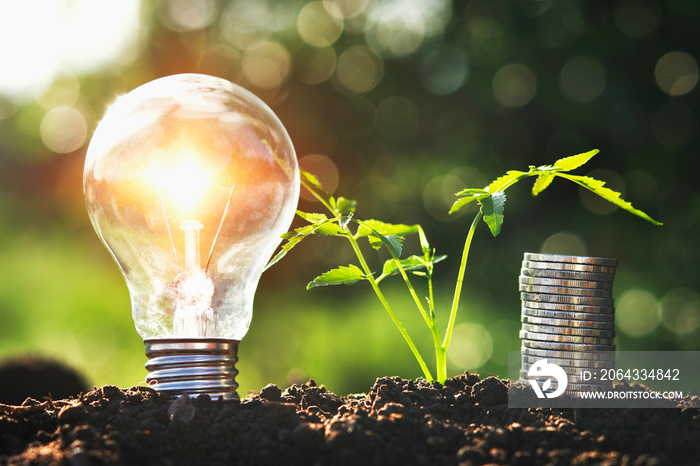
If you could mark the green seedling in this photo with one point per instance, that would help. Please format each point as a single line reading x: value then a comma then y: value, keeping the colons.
x: 491, y: 199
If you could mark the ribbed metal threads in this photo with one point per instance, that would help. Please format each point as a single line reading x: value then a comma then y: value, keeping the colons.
x: 192, y: 366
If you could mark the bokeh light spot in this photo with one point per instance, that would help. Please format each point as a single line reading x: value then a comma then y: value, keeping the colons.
x: 471, y: 346
x: 582, y: 79
x: 514, y: 85
x: 64, y: 91
x: 187, y: 15
x: 245, y: 22
x: 444, y: 70
x: 42, y: 40
x: 347, y: 8
x: 266, y: 65
x: 596, y: 204
x: 680, y: 310
x: 637, y: 313
x: 565, y: 243
x: 323, y: 169
x: 63, y: 129
x: 636, y: 19
x: 359, y: 70
x: 317, y: 26
x: 676, y: 73
x: 674, y: 124
x: 398, y: 27
x: 316, y: 65
x: 439, y: 195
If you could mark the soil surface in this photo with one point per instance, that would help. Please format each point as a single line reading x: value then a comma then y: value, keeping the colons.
x: 465, y: 421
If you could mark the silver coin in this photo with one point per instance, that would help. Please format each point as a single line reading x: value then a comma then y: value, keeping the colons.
x: 568, y: 307
x: 573, y: 331
x: 561, y: 282
x: 607, y: 355
x: 562, y: 299
x: 581, y: 363
x: 562, y: 266
x: 605, y: 261
x: 557, y: 322
x: 574, y: 381
x: 541, y: 336
x: 555, y: 346
x: 565, y: 291
x: 567, y: 274
x: 551, y: 314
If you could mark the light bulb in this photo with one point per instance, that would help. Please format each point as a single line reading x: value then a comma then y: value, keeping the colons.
x: 190, y: 181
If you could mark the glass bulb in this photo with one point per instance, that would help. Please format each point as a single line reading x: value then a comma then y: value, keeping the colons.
x: 190, y: 181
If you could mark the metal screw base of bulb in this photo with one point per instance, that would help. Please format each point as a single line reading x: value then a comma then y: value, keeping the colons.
x: 193, y: 366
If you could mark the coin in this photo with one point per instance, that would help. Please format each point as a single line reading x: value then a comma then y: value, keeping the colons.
x: 567, y: 274
x: 607, y: 355
x: 557, y: 322
x: 581, y: 363
x: 573, y: 331
x: 565, y: 291
x: 562, y: 266
x: 607, y: 262
x: 569, y: 307
x: 561, y: 299
x: 555, y: 346
x: 541, y: 336
x: 552, y: 314
x: 561, y: 282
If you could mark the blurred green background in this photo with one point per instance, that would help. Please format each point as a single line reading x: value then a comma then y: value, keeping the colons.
x: 397, y: 104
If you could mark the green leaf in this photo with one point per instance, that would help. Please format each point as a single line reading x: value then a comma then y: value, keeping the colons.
x: 343, y: 275
x: 510, y: 177
x: 345, y: 220
x: 424, y: 245
x: 474, y: 192
x: 466, y: 196
x: 322, y: 224
x: 459, y: 203
x: 344, y: 206
x: 492, y: 208
x: 410, y: 264
x: 569, y: 163
x: 608, y: 194
x: 368, y: 227
x: 312, y: 217
x: 293, y: 238
x: 394, y: 244
x: 311, y: 183
x: 541, y: 183
x: 286, y: 247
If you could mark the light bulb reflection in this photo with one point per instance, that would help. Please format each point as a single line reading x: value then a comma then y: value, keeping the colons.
x: 190, y: 181
x: 184, y: 183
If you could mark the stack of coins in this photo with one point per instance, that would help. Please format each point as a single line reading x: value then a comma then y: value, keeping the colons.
x: 568, y: 314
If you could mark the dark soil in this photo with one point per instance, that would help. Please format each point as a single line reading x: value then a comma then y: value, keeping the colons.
x: 466, y: 421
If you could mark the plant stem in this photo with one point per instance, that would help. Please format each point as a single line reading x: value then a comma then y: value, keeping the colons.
x: 429, y: 319
x: 385, y: 303
x: 442, y: 369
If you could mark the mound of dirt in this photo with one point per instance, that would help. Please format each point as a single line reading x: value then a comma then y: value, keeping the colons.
x: 465, y: 421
